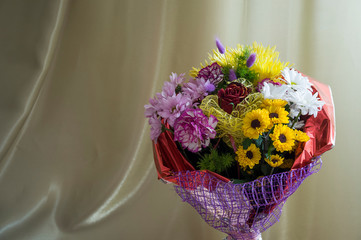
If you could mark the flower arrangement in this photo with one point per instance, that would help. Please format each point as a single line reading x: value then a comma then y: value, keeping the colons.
x: 244, y: 126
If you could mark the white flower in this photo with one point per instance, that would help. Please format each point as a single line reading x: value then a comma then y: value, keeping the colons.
x: 296, y: 79
x: 271, y: 91
x: 297, y: 125
x: 303, y: 101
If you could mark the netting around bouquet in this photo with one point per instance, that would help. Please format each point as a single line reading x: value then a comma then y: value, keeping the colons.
x: 245, y: 210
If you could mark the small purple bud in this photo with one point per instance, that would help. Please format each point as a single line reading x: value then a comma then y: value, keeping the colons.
x: 209, y: 87
x: 220, y: 47
x: 251, y: 60
x: 232, y: 75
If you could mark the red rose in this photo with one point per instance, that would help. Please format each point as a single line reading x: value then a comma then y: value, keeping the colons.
x: 229, y: 98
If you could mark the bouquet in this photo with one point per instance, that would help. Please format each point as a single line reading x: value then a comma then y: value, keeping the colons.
x: 240, y: 135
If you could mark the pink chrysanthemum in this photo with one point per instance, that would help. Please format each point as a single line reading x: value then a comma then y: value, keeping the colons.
x: 194, y: 130
x: 171, y: 107
x: 212, y: 73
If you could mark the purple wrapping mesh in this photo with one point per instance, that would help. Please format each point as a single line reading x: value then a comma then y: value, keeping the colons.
x: 242, y: 211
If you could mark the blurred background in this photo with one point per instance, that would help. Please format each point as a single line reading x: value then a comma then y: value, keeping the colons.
x: 75, y: 153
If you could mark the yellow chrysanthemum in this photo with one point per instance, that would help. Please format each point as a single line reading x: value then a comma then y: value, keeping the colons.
x: 255, y: 123
x: 277, y: 114
x: 227, y: 59
x: 274, y: 102
x: 267, y: 63
x: 249, y: 157
x: 287, y: 163
x: 275, y: 160
x: 301, y: 136
x: 283, y: 138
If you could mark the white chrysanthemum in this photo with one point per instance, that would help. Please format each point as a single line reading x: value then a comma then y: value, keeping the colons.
x: 296, y: 79
x: 271, y: 91
x: 297, y: 125
x: 303, y: 101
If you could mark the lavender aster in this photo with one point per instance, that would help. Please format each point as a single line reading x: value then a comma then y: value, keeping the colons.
x: 251, y: 59
x: 155, y: 128
x: 213, y: 73
x: 169, y: 88
x: 194, y: 130
x: 197, y: 88
x: 151, y: 109
x: 232, y: 75
x: 220, y: 46
x: 171, y: 107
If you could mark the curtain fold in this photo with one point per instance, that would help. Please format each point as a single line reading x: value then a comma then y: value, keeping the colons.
x: 76, y: 158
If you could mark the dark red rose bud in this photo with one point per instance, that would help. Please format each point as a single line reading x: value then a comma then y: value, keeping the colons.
x: 229, y: 98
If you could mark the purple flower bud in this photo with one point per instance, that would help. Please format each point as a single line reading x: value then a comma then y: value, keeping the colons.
x: 209, y: 87
x: 220, y: 47
x: 251, y: 60
x: 232, y: 75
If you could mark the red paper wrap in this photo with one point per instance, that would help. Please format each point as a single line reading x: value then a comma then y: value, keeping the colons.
x: 321, y: 129
x: 168, y: 159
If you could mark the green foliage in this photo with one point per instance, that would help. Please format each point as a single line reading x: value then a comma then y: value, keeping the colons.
x: 216, y: 162
x: 246, y: 143
x: 266, y: 169
x: 223, y: 84
x: 259, y: 141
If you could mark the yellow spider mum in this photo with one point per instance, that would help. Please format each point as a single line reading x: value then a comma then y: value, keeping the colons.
x: 301, y: 136
x: 227, y: 59
x: 267, y: 63
x: 277, y: 114
x: 248, y: 157
x: 255, y: 123
x: 283, y: 138
x: 275, y: 160
x: 274, y: 102
x: 287, y: 163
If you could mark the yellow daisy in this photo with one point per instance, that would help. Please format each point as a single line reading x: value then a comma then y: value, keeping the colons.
x: 275, y: 160
x: 274, y: 102
x: 248, y: 157
x: 301, y: 136
x: 255, y: 123
x: 277, y: 114
x: 283, y: 138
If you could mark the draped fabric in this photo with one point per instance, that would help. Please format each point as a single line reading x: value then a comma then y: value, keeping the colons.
x: 76, y: 158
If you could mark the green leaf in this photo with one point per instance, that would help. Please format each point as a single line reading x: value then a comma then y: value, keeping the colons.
x: 270, y: 150
x: 259, y: 141
x: 246, y: 143
x: 239, y: 181
x: 266, y: 169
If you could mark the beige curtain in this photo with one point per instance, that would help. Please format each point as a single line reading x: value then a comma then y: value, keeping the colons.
x: 76, y: 159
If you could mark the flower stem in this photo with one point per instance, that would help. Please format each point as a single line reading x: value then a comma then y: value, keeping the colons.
x: 164, y: 128
x: 296, y: 119
x: 272, y: 171
x: 184, y: 153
